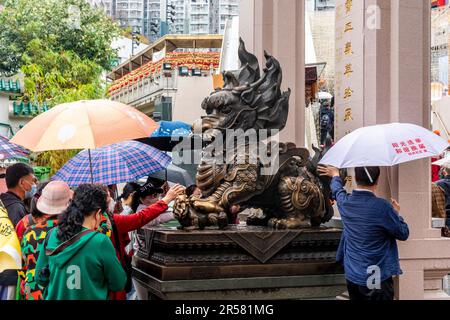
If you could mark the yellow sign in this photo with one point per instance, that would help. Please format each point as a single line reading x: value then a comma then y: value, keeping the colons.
x: 348, y: 69
x: 348, y: 27
x: 348, y: 93
x: 348, y: 6
x: 348, y: 115
x: 348, y: 49
x: 10, y: 253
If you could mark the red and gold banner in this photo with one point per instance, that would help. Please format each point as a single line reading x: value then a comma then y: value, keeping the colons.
x: 202, y: 61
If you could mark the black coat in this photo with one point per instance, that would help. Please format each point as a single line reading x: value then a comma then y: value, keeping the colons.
x: 16, y: 211
x: 15, y: 207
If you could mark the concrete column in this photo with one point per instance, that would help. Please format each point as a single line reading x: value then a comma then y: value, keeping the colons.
x: 377, y: 66
x: 277, y: 26
x: 377, y: 63
x: 397, y: 89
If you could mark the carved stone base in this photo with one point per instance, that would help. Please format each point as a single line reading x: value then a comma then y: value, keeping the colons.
x: 239, y: 262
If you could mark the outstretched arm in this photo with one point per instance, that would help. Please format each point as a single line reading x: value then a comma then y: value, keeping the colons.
x: 136, y: 221
x: 337, y: 186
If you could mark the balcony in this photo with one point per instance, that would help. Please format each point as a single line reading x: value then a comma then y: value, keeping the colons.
x: 26, y: 109
x: 146, y: 88
x: 9, y: 86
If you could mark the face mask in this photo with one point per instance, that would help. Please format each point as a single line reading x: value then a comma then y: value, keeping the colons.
x: 30, y: 194
x: 127, y: 209
x: 111, y: 206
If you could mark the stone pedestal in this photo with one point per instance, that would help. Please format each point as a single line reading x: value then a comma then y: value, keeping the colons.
x: 238, y: 263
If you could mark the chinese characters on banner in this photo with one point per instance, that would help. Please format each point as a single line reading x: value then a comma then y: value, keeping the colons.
x: 349, y: 74
x: 410, y: 147
x: 349, y: 86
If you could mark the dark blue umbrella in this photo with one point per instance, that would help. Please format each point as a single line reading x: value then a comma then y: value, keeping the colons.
x: 168, y: 135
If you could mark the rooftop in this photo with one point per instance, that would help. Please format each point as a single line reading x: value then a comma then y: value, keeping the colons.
x: 169, y: 43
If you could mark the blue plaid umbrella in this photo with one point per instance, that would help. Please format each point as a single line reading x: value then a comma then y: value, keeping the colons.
x: 121, y: 162
x: 10, y: 150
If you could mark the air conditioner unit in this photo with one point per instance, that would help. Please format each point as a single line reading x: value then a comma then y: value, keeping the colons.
x: 196, y: 72
x: 183, y: 71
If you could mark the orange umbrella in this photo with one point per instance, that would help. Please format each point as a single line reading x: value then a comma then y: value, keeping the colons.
x: 84, y: 125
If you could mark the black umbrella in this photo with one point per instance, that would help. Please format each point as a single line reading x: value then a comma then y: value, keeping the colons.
x: 162, y: 143
x: 174, y: 174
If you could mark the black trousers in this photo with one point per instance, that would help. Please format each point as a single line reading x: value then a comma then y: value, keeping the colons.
x: 361, y: 293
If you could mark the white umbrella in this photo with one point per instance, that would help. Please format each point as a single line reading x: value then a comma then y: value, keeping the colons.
x: 324, y: 95
x: 384, y: 146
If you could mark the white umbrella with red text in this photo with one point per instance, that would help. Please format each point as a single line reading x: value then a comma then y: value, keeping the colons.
x: 384, y: 145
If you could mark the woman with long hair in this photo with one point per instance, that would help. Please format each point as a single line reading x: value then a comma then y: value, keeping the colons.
x: 80, y: 263
x: 123, y: 224
x: 126, y: 197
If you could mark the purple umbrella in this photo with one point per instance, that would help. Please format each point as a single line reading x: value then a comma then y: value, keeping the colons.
x: 10, y: 150
x: 121, y: 162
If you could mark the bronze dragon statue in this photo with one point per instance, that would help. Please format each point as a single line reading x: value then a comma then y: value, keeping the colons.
x: 292, y: 195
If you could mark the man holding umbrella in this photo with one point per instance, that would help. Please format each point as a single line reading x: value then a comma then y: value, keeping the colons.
x: 368, y: 247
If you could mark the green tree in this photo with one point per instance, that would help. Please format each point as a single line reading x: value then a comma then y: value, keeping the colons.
x: 57, y: 77
x: 61, y: 25
x: 62, y: 47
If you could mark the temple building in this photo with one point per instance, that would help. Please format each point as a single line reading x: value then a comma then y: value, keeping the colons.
x: 170, y: 78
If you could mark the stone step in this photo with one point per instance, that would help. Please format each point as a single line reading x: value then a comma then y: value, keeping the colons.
x: 343, y: 297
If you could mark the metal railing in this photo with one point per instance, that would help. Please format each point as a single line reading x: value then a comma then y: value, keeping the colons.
x: 9, y: 86
x: 27, y: 109
x: 146, y: 87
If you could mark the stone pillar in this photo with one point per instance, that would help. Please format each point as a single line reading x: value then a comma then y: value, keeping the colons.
x: 425, y: 256
x: 397, y: 89
x: 278, y: 27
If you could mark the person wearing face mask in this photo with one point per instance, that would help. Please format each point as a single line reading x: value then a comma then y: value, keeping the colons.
x: 22, y: 184
x: 146, y: 196
x: 80, y: 263
x: 127, y: 197
x: 35, y: 216
x: 124, y: 224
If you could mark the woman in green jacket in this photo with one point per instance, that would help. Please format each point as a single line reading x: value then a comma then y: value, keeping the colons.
x: 85, y: 268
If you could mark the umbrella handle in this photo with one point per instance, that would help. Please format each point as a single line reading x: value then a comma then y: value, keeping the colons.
x: 90, y: 166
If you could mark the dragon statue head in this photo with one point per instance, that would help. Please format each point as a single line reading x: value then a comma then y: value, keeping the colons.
x: 247, y: 99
